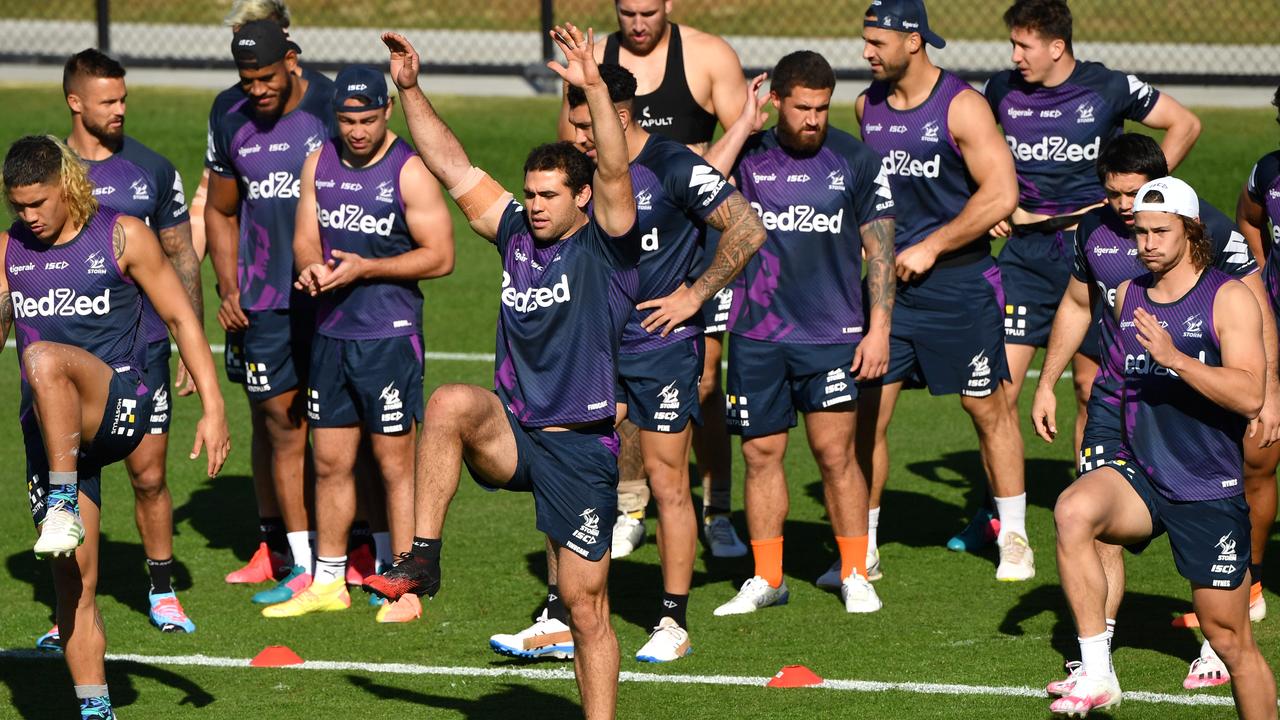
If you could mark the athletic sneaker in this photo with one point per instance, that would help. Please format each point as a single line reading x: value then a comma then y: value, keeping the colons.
x: 50, y: 641
x: 982, y: 530
x: 830, y: 580
x: 407, y: 609
x: 546, y: 638
x: 1017, y: 562
x: 858, y: 595
x: 96, y: 709
x: 360, y: 564
x: 264, y: 566
x: 628, y: 534
x: 409, y: 574
x: 1088, y: 694
x: 316, y: 597
x: 61, y: 531
x: 756, y: 593
x: 721, y: 537
x: 1257, y: 610
x: 667, y: 642
x: 1063, y: 687
x: 1206, y: 671
x: 295, y: 582
x: 167, y: 614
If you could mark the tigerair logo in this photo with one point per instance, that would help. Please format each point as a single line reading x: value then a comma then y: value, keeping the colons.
x: 61, y: 302
x: 800, y: 218
x: 353, y: 218
x: 535, y: 297
x: 900, y: 163
x: 249, y: 150
x: 276, y: 186
x: 1053, y: 148
x: 1019, y: 112
x: 15, y: 269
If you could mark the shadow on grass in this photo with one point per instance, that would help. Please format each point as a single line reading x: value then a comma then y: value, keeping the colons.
x: 1045, y: 478
x: 224, y: 512
x: 507, y: 701
x: 122, y: 576
x: 40, y: 686
x: 1143, y: 623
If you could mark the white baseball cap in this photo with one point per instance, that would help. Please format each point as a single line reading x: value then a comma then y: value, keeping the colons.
x: 1179, y: 198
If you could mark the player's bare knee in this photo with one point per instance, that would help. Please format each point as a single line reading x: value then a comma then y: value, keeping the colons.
x: 834, y: 461
x: 1226, y: 642
x: 1075, y: 515
x: 989, y: 413
x: 588, y: 613
x: 451, y: 405
x: 40, y: 362
x: 149, y: 483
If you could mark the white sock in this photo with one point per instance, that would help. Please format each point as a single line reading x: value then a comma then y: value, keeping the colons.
x: 1012, y: 512
x: 300, y: 546
x: 873, y: 522
x: 1206, y: 651
x: 1095, y: 653
x: 382, y: 546
x: 329, y: 569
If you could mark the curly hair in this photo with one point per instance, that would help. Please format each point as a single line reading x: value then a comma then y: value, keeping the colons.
x: 38, y: 159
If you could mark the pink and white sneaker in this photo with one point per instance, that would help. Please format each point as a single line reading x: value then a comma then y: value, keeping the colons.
x: 1206, y: 671
x: 1063, y: 687
x: 1089, y: 693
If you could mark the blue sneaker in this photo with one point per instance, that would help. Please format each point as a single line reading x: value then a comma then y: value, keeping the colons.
x: 97, y: 708
x: 295, y: 582
x: 167, y: 614
x: 982, y: 530
x: 376, y: 601
x: 50, y: 641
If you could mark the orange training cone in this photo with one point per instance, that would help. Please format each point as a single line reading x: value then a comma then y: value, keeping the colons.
x: 276, y: 656
x: 794, y: 676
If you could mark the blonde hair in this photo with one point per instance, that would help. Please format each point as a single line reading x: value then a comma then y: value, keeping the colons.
x: 246, y: 11
x: 77, y: 188
x: 37, y: 159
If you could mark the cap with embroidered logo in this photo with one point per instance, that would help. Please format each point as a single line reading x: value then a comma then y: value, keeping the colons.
x: 905, y: 16
x: 258, y: 44
x: 365, y: 83
x: 1177, y: 198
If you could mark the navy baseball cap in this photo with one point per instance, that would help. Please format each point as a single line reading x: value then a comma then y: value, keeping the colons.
x: 906, y: 16
x: 259, y: 43
x: 363, y: 82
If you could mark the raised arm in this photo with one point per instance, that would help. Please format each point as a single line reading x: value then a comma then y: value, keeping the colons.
x: 987, y: 158
x: 476, y: 193
x: 1238, y: 384
x: 724, y: 153
x: 139, y: 255
x: 1181, y: 127
x: 615, y: 206
x: 221, y: 227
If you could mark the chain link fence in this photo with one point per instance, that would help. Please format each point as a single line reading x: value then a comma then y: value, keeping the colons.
x: 1215, y: 41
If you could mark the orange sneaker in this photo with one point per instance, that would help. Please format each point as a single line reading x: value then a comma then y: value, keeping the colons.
x: 1257, y: 610
x: 262, y: 567
x: 407, y: 609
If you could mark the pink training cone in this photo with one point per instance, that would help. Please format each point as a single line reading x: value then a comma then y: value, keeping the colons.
x: 794, y: 676
x: 275, y: 656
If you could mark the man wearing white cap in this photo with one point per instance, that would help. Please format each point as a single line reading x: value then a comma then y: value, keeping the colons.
x: 1191, y: 339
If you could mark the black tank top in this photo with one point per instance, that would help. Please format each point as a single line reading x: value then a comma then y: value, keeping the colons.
x: 671, y: 109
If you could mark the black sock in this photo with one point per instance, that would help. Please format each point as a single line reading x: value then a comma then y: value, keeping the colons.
x: 674, y: 607
x: 271, y: 530
x: 360, y: 535
x: 555, y: 605
x: 161, y: 575
x: 426, y: 548
x: 710, y: 510
x: 1255, y: 572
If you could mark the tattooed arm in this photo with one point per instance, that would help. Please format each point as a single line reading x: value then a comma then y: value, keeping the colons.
x: 176, y: 243
x: 871, y: 360
x: 741, y: 236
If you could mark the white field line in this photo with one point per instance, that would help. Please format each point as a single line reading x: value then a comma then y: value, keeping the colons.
x: 480, y: 357
x: 864, y: 686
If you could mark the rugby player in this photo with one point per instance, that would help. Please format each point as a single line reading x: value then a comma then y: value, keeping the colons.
x: 258, y: 150
x: 687, y: 80
x: 371, y: 223
x: 568, y: 287
x: 946, y: 160
x: 1189, y: 340
x: 797, y: 337
x: 130, y: 178
x: 1106, y: 255
x: 660, y: 361
x: 1057, y: 113
x: 73, y: 281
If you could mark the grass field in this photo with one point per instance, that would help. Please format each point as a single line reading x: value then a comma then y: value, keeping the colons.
x: 945, y: 620
x: 1096, y: 20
